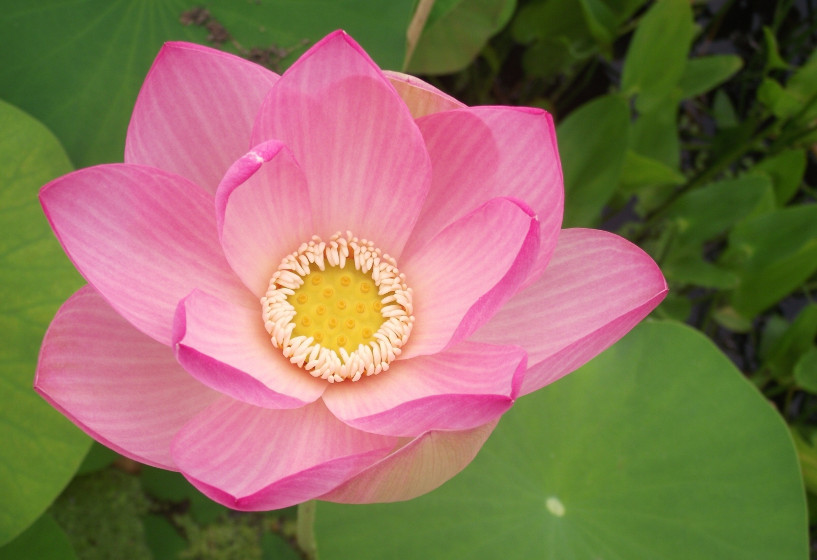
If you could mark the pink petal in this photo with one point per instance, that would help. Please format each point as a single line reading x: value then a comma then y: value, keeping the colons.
x: 263, y: 213
x: 143, y: 238
x: 119, y: 386
x: 462, y: 388
x: 421, y: 98
x: 253, y: 459
x: 595, y: 289
x: 467, y: 272
x: 480, y: 153
x: 418, y: 467
x: 226, y: 347
x: 195, y: 112
x: 364, y: 159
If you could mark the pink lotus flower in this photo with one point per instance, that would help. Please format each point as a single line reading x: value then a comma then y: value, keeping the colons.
x: 383, y: 351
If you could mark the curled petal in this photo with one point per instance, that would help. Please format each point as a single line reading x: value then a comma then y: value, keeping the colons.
x: 595, y: 289
x: 364, y: 159
x: 254, y: 459
x: 143, y: 238
x: 262, y: 210
x: 458, y: 389
x: 121, y: 387
x: 195, y: 111
x: 420, y: 466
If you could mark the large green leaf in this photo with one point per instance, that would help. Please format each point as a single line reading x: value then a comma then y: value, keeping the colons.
x: 78, y: 65
x: 41, y: 449
x: 455, y: 32
x: 658, y: 52
x: 593, y: 143
x: 44, y: 540
x: 659, y: 448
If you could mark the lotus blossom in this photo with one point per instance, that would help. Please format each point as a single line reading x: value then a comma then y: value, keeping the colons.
x: 326, y: 284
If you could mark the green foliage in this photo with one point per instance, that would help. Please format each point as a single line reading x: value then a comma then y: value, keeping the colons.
x: 600, y: 20
x: 101, y: 516
x: 234, y: 538
x: 657, y: 55
x: 640, y: 172
x: 798, y: 98
x: 702, y: 215
x: 654, y: 134
x: 455, y: 32
x: 785, y: 348
x: 652, y: 450
x: 206, y: 530
x: 702, y: 74
x: 41, y: 449
x: 807, y: 454
x: 786, y: 170
x: 172, y: 487
x: 805, y: 371
x: 162, y: 537
x: 564, y: 34
x: 773, y: 254
x: 592, y: 173
x: 273, y: 547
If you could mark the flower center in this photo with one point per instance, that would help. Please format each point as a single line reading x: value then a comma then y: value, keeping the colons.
x: 338, y: 309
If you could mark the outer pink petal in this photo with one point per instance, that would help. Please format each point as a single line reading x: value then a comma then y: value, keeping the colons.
x: 467, y: 272
x: 462, y: 388
x: 595, y: 289
x: 421, y: 98
x: 418, y: 467
x: 480, y: 153
x: 252, y: 459
x: 364, y: 159
x: 263, y: 214
x: 195, y: 112
x: 121, y: 387
x: 143, y: 238
x: 226, y: 347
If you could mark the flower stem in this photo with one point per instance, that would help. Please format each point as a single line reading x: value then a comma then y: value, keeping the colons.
x: 305, y: 532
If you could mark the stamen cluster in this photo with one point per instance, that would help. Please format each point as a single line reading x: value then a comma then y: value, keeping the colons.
x: 319, y: 360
